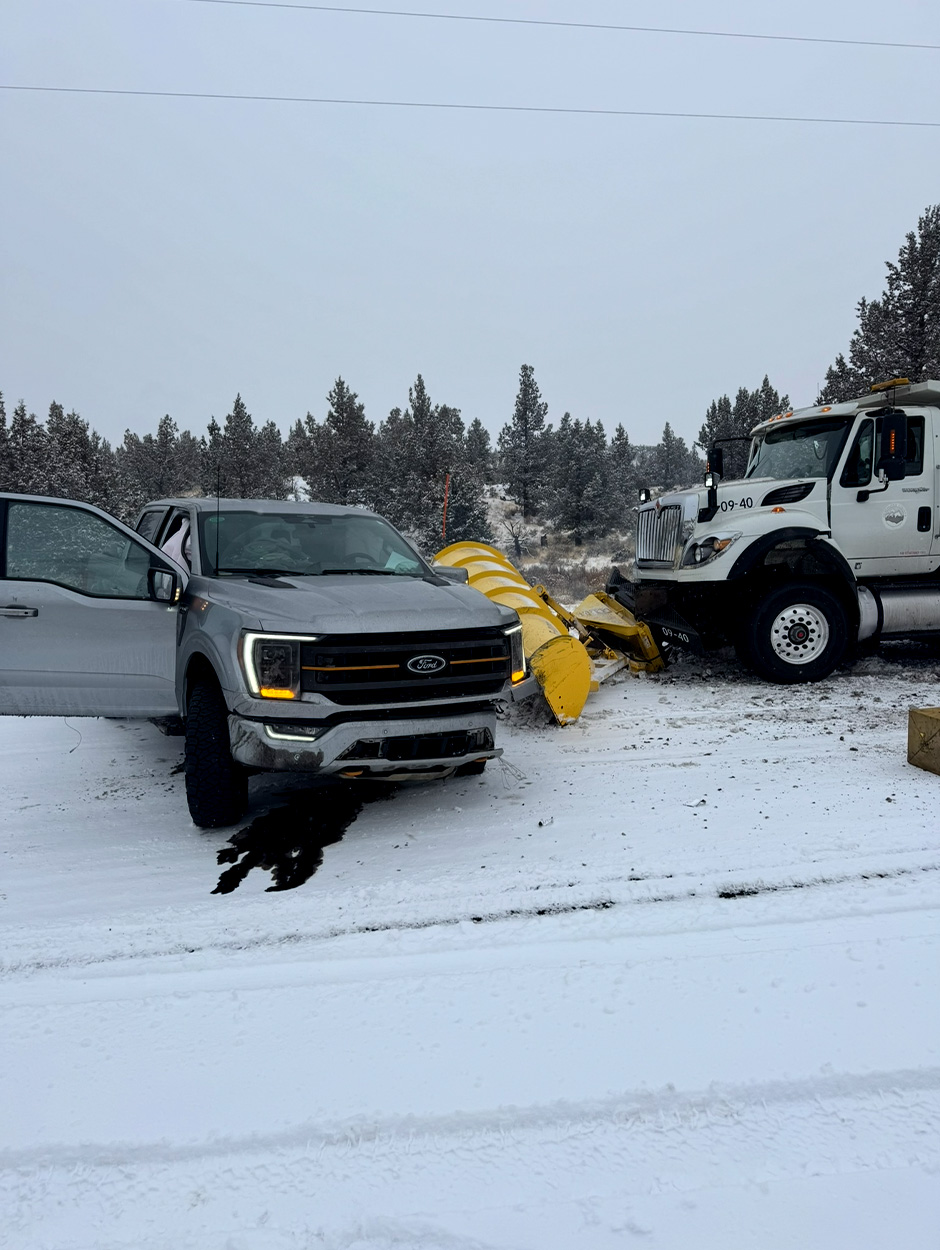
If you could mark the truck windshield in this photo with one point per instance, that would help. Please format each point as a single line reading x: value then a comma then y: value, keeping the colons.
x: 291, y: 544
x: 807, y: 449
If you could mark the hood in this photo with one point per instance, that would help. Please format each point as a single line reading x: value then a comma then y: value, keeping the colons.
x: 356, y: 603
x: 742, y: 495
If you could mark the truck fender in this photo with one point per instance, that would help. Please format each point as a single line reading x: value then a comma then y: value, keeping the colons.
x: 817, y: 543
x: 197, y: 665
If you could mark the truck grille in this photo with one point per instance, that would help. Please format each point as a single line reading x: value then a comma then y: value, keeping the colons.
x: 374, y: 668
x: 657, y: 535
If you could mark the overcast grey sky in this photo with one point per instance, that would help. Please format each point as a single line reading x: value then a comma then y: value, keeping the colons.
x: 159, y: 255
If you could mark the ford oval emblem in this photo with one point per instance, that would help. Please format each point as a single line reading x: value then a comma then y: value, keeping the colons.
x: 426, y: 663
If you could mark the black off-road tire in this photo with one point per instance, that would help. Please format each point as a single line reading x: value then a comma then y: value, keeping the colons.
x: 798, y: 633
x: 216, y: 786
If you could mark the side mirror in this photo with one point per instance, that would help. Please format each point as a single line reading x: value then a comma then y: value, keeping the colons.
x: 891, y: 465
x: 644, y: 494
x: 715, y: 462
x: 451, y: 574
x: 164, y: 586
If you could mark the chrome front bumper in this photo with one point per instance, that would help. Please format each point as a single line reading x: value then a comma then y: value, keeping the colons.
x: 260, y: 744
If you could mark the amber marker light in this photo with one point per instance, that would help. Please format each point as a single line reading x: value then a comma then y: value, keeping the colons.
x: 778, y: 509
x: 275, y: 675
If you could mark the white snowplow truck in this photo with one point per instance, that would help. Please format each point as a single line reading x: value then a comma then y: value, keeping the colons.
x: 831, y: 539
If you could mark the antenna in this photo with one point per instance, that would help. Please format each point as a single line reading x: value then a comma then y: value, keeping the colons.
x: 444, y: 517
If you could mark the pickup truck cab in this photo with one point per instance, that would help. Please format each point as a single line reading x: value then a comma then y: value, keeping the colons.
x: 274, y: 635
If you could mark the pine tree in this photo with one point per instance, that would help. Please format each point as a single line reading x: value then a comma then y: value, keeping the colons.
x: 580, y: 499
x: 467, y: 518
x: 188, y: 464
x: 522, y: 444
x: 392, y: 486
x: 479, y: 448
x: 240, y: 455
x: 345, y: 448
x: 622, y: 473
x: 148, y: 466
x: 298, y: 460
x: 6, y: 469
x: 724, y: 420
x: 213, y: 469
x: 418, y: 450
x: 271, y: 476
x: 28, y: 470
x: 897, y: 335
x: 672, y: 463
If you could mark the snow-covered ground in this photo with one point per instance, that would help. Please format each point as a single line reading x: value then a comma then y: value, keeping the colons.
x: 665, y: 978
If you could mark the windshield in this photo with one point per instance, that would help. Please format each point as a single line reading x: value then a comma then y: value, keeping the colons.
x: 292, y: 544
x: 809, y: 449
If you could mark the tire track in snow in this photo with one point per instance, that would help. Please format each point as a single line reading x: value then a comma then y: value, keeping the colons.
x: 659, y: 890
x: 634, y: 1110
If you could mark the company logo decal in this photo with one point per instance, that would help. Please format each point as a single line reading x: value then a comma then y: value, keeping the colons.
x: 895, y: 514
x: 426, y: 663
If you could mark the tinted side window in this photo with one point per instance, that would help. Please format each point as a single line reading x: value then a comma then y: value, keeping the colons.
x: 857, y: 471
x: 74, y: 548
x: 149, y: 523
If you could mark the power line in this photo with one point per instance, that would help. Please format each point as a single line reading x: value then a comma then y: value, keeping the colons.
x: 477, y: 108
x: 533, y: 21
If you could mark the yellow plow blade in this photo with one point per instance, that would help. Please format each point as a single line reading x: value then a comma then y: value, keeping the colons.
x: 568, y: 652
x: 601, y: 613
x: 562, y: 668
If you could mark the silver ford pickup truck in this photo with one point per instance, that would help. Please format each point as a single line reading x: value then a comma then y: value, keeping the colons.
x: 272, y: 635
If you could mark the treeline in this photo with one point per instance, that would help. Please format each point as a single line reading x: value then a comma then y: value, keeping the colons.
x: 571, y: 478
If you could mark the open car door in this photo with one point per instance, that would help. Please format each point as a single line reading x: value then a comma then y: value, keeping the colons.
x: 88, y: 614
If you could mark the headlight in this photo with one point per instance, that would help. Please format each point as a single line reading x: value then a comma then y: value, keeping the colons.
x: 272, y: 664
x: 706, y: 549
x: 516, y: 653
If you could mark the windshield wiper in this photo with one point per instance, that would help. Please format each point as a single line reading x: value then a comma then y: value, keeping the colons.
x: 259, y: 572
x: 373, y: 572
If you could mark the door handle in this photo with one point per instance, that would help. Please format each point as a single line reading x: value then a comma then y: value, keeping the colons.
x: 15, y: 610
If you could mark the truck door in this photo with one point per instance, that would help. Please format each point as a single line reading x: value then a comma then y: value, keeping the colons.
x: 82, y: 632
x: 886, y: 530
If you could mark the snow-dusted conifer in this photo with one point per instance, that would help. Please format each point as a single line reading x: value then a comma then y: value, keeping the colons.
x: 726, y: 420
x: 345, y: 448
x: 27, y: 444
x: 622, y: 474
x: 580, y: 501
x: 272, y: 479
x: 6, y: 469
x: 672, y: 463
x: 522, y: 444
x: 240, y: 460
x: 897, y: 335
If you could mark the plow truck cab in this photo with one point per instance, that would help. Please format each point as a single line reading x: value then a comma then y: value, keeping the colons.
x: 830, y: 539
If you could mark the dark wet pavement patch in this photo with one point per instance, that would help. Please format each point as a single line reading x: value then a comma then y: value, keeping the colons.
x: 288, y: 841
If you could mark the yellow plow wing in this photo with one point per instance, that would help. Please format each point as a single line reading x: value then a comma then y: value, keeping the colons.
x: 568, y: 651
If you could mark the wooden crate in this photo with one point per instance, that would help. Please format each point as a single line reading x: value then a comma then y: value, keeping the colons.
x: 923, y: 738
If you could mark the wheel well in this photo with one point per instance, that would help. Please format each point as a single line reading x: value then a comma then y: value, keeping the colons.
x: 199, y: 669
x: 798, y: 558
